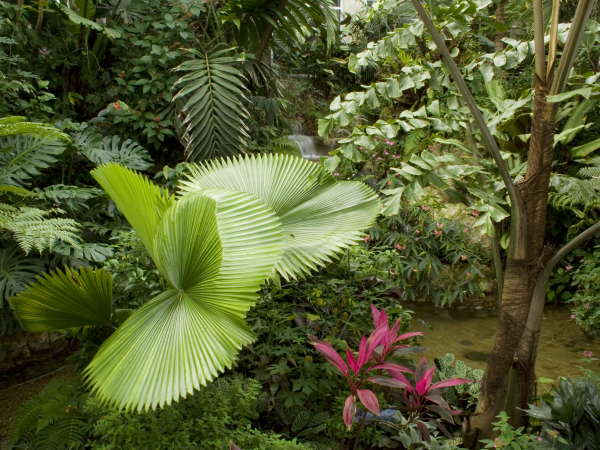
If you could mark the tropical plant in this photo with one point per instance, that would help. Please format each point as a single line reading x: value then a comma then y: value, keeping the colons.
x: 319, y: 218
x: 212, y: 266
x: 587, y: 295
x: 24, y: 155
x: 463, y: 394
x: 373, y: 351
x: 33, y: 227
x: 111, y: 150
x: 211, y: 95
x: 570, y: 421
x: 16, y: 272
x: 509, y: 437
x: 55, y: 418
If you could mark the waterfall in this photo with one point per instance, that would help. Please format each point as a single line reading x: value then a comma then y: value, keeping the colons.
x: 306, y: 144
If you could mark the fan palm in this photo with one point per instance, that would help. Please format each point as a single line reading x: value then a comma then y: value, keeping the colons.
x: 214, y: 246
x: 318, y: 219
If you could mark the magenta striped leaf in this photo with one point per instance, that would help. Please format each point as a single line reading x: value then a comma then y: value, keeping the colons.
x: 368, y: 399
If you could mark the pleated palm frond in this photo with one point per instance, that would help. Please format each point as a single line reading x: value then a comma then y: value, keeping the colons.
x: 211, y: 92
x: 317, y: 221
x: 63, y: 300
x: 24, y: 155
x: 294, y: 23
x: 214, y: 248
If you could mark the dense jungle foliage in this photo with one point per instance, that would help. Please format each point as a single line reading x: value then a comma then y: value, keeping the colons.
x: 218, y: 290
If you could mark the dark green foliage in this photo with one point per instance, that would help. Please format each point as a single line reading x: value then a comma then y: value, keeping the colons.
x: 574, y: 414
x: 463, y: 395
x: 54, y: 419
x: 208, y: 420
x: 586, y: 299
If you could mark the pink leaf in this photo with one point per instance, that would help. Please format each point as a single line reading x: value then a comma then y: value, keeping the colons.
x: 351, y: 361
x: 408, y: 335
x: 383, y: 318
x: 232, y: 446
x: 325, y: 349
x: 421, y: 368
x: 428, y: 377
x: 400, y: 377
x: 439, y: 400
x: 377, y: 335
x: 368, y: 399
x: 389, y: 367
x: 450, y: 382
x: 363, y: 355
x: 376, y: 315
x: 349, y: 411
x: 421, y: 386
x: 395, y: 329
x: 389, y: 382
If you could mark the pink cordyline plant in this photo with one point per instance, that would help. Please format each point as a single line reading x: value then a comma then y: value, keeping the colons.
x: 372, y: 355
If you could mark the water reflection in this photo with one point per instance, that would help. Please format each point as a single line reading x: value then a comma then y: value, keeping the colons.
x: 471, y: 339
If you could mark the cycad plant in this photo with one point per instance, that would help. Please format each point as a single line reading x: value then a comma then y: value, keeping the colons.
x: 214, y: 246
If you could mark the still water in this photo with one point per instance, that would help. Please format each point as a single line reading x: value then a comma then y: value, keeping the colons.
x: 471, y: 339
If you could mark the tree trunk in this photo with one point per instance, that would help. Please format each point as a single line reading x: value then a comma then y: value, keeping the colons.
x: 269, y: 30
x: 500, y: 19
x: 519, y: 284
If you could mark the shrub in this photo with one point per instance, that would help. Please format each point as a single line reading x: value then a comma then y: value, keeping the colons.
x: 587, y: 297
x: 208, y: 420
x: 570, y: 422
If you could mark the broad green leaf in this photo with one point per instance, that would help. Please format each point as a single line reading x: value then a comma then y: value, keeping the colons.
x: 318, y: 221
x: 65, y: 300
x: 454, y: 142
x: 585, y: 149
x: 215, y: 248
x: 139, y: 200
x: 584, y: 92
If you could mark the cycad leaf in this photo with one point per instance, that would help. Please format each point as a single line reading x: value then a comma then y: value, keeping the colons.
x: 210, y: 96
x: 139, y: 200
x: 317, y: 221
x: 9, y: 126
x: 215, y: 249
x: 65, y: 300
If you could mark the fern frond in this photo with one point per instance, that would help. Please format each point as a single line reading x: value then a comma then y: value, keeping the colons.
x: 213, y: 112
x: 32, y: 227
x: 51, y: 419
x: 415, y: 142
x: 10, y: 126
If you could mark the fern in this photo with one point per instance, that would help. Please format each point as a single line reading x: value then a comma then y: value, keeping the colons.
x: 213, y: 113
x: 33, y: 229
x: 10, y: 126
x: 415, y: 142
x: 16, y: 272
x: 53, y: 419
x: 24, y: 156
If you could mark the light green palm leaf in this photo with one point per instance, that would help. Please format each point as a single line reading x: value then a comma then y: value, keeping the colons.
x: 186, y: 336
x: 65, y: 300
x: 141, y: 202
x: 318, y: 220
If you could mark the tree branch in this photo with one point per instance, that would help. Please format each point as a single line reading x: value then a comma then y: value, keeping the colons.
x: 538, y: 40
x: 578, y: 26
x: 518, y: 234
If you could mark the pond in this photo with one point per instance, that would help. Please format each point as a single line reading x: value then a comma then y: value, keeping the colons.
x: 471, y: 339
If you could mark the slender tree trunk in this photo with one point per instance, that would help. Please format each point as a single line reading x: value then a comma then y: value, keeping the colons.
x: 264, y: 40
x: 40, y: 19
x: 500, y: 19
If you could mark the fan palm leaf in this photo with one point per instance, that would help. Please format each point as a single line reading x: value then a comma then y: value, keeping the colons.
x: 318, y: 220
x: 65, y: 300
x: 214, y: 115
